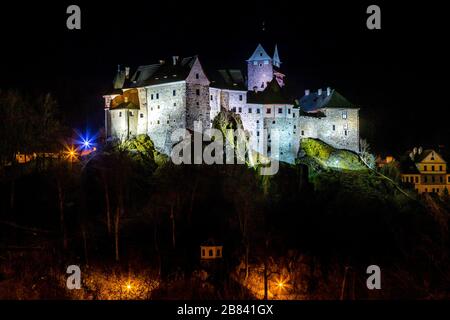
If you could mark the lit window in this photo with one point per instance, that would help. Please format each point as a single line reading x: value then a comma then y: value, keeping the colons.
x: 344, y: 114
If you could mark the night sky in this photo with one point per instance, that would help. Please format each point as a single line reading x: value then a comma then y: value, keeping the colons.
x: 397, y: 75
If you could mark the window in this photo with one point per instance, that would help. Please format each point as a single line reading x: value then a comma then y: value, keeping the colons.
x: 303, y: 133
x: 167, y: 121
x: 440, y: 168
x: 131, y: 113
x: 257, y: 133
x: 203, y: 252
x: 425, y: 179
x: 174, y: 104
x: 273, y: 122
x: 432, y: 168
x: 197, y: 92
x: 212, y: 98
x: 260, y: 65
x: 441, y: 179
x: 240, y: 109
x: 233, y: 109
x: 258, y: 111
x: 293, y: 115
x: 257, y: 121
x: 174, y: 92
x: 197, y: 76
x: 151, y: 96
x: 417, y: 179
x: 197, y: 103
x: 240, y: 97
x: 425, y: 168
x: 158, y: 122
x: 280, y: 110
x: 157, y: 96
x: 210, y: 253
x: 151, y: 108
x: 249, y: 110
x: 289, y: 111
x: 120, y: 114
x: 268, y: 111
x: 334, y: 127
x: 345, y: 132
x: 255, y: 63
x: 344, y: 114
x: 432, y: 179
x: 142, y: 115
x: 295, y: 127
x: 218, y: 252
x: 158, y: 107
x: 448, y: 179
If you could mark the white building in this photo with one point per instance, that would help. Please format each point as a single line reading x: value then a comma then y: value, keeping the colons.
x: 162, y: 97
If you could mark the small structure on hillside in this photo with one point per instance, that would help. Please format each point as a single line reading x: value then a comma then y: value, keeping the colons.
x: 210, y: 250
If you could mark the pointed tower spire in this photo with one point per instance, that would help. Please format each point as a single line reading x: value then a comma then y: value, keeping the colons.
x: 276, y: 58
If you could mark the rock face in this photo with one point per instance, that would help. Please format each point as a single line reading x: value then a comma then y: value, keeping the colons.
x: 329, y: 157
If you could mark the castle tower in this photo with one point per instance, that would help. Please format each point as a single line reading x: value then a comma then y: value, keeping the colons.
x: 276, y: 58
x: 259, y: 69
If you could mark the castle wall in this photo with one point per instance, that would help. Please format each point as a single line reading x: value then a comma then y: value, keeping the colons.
x: 166, y: 105
x: 259, y: 73
x: 197, y: 97
x: 143, y: 114
x: 119, y: 123
x: 214, y: 102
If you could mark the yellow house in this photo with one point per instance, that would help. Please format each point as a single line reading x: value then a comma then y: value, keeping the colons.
x: 427, y: 172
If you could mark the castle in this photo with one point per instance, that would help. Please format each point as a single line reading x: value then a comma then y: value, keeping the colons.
x: 160, y: 98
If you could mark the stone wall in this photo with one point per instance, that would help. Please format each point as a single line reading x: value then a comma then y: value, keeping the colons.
x: 197, y: 97
x: 166, y: 105
x: 258, y: 74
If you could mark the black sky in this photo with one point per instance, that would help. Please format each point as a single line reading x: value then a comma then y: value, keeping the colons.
x: 398, y: 75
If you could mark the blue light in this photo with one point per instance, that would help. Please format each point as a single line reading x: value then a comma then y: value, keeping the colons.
x: 86, y: 141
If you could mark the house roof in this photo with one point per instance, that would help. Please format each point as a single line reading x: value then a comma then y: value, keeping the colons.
x: 259, y: 54
x: 408, y: 167
x: 272, y: 94
x: 162, y: 72
x: 232, y: 79
x: 315, y: 101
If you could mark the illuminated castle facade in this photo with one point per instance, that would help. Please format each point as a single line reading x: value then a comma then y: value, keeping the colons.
x: 160, y: 98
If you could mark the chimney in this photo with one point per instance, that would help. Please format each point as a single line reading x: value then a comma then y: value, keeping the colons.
x: 307, y: 92
x: 127, y: 72
x: 328, y: 91
x: 319, y: 92
x: 175, y: 60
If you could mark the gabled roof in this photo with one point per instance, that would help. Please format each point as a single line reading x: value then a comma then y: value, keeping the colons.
x: 272, y: 94
x: 162, y: 72
x: 315, y: 101
x: 231, y: 79
x: 259, y: 54
x: 426, y: 153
